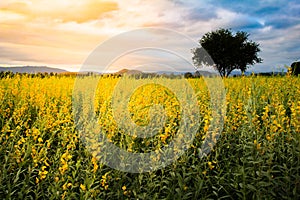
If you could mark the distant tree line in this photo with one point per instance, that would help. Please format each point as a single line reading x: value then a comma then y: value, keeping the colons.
x: 197, y: 74
x: 10, y: 74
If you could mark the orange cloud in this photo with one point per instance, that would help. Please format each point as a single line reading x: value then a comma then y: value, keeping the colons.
x: 64, y: 11
x: 66, y: 31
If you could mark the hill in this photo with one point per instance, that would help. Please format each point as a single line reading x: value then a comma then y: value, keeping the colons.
x: 129, y: 72
x: 32, y: 69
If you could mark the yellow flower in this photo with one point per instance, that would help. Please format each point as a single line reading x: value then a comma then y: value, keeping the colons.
x: 64, y: 186
x: 63, y: 168
x: 63, y: 195
x: 45, y: 162
x: 40, y: 140
x: 43, y: 173
x: 258, y: 146
x: 82, y: 187
x: 94, y: 161
x: 125, y: 192
x: 249, y: 92
x: 210, y: 165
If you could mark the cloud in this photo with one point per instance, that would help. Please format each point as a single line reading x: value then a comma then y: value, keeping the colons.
x: 274, y: 24
x: 68, y: 31
x: 28, y: 36
x: 38, y: 54
x: 46, y: 43
x: 9, y: 54
x: 235, y: 20
x: 63, y: 11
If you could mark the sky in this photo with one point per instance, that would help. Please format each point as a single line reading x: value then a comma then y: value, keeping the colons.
x: 65, y: 33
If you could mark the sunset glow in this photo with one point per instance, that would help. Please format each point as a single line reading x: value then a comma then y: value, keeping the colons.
x: 63, y: 33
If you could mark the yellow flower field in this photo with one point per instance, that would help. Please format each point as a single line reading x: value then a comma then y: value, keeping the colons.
x: 256, y: 157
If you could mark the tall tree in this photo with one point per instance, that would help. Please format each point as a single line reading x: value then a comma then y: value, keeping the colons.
x: 228, y: 51
x: 296, y: 68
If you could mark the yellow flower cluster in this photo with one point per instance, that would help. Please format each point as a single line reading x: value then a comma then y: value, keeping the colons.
x: 64, y: 162
x: 37, y: 127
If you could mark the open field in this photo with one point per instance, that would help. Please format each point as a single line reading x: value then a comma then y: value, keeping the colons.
x: 256, y: 157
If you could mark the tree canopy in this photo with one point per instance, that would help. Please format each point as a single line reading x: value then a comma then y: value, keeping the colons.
x: 296, y: 68
x: 227, y: 51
